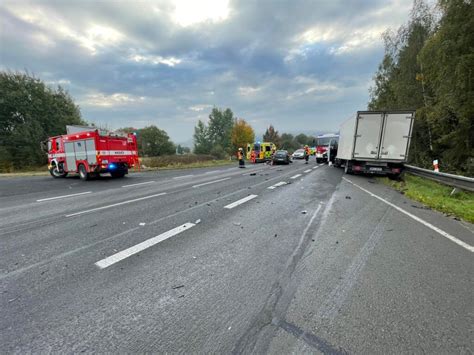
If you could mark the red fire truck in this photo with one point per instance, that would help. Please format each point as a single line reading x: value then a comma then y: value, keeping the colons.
x: 90, y: 152
x: 326, y: 143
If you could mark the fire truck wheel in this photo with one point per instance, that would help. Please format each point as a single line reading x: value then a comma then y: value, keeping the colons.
x: 55, y: 173
x: 83, y: 174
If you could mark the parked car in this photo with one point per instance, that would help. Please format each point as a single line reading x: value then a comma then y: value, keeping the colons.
x: 281, y: 157
x: 298, y: 154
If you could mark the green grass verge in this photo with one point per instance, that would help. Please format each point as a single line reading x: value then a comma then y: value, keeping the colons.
x: 436, y: 196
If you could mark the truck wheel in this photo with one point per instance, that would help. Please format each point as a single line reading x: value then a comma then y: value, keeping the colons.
x: 347, y: 169
x: 55, y: 173
x: 83, y: 174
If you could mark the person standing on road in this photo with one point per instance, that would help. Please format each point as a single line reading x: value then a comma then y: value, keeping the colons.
x: 240, y: 156
x: 307, y: 153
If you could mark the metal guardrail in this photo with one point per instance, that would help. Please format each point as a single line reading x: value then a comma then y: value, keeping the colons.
x: 462, y: 182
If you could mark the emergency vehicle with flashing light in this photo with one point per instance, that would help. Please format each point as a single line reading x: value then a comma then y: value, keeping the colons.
x: 260, y: 152
x: 90, y: 152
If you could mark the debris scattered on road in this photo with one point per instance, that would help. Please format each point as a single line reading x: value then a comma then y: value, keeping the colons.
x: 348, y: 197
x: 457, y: 218
x: 181, y: 296
x: 194, y: 257
x: 124, y: 222
x: 389, y: 230
x: 371, y: 181
x: 176, y: 287
x: 229, y: 328
x: 197, y: 221
x: 312, y: 240
x: 195, y: 202
x: 276, y: 235
x: 421, y: 207
x: 13, y: 299
x: 304, y: 212
x: 208, y: 204
x: 337, y: 242
x: 141, y: 224
x: 236, y: 223
x: 253, y: 174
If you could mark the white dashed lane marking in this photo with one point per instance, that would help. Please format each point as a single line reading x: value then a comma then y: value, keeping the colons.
x: 281, y: 183
x: 104, y: 263
x: 211, y: 182
x: 140, y: 183
x: 241, y: 201
x: 182, y: 177
x: 64, y: 196
x: 115, y: 204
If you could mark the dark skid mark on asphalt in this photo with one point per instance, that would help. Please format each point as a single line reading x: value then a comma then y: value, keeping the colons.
x: 271, y: 309
x: 312, y: 340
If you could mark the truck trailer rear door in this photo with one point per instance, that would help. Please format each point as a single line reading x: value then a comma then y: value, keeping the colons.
x: 396, y: 135
x: 367, y: 135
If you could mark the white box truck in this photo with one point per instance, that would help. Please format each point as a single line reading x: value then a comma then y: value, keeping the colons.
x: 375, y: 142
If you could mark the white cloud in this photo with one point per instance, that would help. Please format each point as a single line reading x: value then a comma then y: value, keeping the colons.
x: 199, y: 108
x: 155, y: 59
x: 248, y: 90
x: 191, y: 12
x: 117, y: 99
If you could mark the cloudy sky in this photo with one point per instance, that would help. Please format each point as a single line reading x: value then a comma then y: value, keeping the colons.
x: 301, y: 65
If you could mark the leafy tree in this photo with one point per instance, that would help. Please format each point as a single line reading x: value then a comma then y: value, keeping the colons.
x: 447, y: 62
x: 202, y: 141
x: 153, y: 141
x: 216, y: 136
x: 301, y: 139
x: 242, y: 134
x: 220, y: 128
x: 272, y: 136
x: 30, y: 112
x: 179, y: 149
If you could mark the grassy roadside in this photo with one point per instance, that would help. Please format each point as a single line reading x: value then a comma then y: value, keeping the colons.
x: 436, y: 196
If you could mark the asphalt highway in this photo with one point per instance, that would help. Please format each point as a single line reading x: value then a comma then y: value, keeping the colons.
x: 267, y: 259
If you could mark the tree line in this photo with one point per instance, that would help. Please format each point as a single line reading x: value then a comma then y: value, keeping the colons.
x: 429, y: 66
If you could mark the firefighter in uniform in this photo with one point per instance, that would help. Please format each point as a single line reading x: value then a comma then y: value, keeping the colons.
x: 307, y: 153
x: 240, y: 156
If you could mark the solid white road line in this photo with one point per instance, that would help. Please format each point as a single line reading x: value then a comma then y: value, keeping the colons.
x: 281, y: 183
x: 140, y: 183
x: 64, y: 196
x: 241, y: 201
x: 418, y: 219
x: 115, y: 204
x: 182, y: 177
x: 142, y: 246
x: 296, y: 176
x: 307, y: 171
x: 211, y: 182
